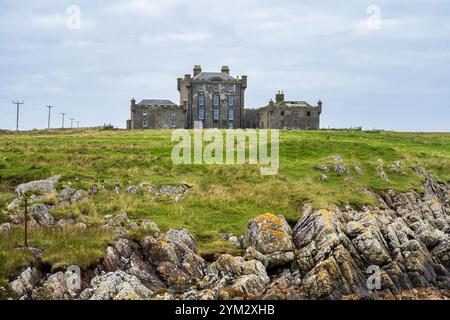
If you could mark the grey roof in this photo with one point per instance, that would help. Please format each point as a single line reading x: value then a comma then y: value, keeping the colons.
x: 156, y: 102
x: 209, y: 75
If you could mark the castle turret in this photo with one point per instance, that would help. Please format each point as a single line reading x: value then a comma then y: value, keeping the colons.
x: 319, y: 106
x: 133, y: 102
x: 197, y: 69
x: 279, y: 98
x: 225, y: 69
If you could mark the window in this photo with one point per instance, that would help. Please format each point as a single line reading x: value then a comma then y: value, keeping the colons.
x: 173, y: 122
x: 201, y: 113
x: 201, y: 100
x: 230, y: 124
x: 145, y: 123
x: 173, y: 113
x: 216, y: 88
x: 230, y: 88
x: 216, y: 101
x: 282, y: 113
x: 216, y: 113
x: 200, y: 87
x: 144, y: 113
x: 230, y: 113
x: 230, y: 101
x: 308, y: 114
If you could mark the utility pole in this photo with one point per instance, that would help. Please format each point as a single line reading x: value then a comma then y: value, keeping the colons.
x: 63, y: 115
x: 71, y: 123
x: 78, y: 124
x: 17, y: 103
x: 49, y: 110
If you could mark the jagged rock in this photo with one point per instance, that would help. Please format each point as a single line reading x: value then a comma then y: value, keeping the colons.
x: 127, y: 256
x: 94, y: 189
x: 116, y: 286
x: 242, y: 277
x: 323, y: 178
x: 14, y: 204
x: 253, y: 254
x: 66, y: 193
x: 55, y: 287
x: 39, y: 212
x: 174, y: 256
x: 25, y: 283
x: 117, y: 189
x: 44, y: 186
x: 358, y: 170
x: 149, y: 225
x: 324, y: 168
x: 133, y: 225
x: 77, y: 196
x: 5, y: 227
x: 121, y: 220
x: 335, y: 249
x: 270, y: 235
x: 132, y: 189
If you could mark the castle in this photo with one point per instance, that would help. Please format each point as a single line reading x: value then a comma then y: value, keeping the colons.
x: 216, y: 100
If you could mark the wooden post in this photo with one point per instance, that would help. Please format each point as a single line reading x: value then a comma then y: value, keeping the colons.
x: 26, y: 222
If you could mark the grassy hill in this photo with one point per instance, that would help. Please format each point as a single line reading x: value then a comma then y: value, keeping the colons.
x: 223, y: 197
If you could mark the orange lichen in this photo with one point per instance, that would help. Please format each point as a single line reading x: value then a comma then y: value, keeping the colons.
x: 268, y: 217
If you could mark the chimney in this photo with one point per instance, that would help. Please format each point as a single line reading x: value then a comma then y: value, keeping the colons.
x: 279, y: 98
x: 197, y: 69
x: 133, y: 102
x: 225, y: 69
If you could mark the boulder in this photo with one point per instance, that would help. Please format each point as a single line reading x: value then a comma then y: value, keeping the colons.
x: 150, y: 226
x: 173, y: 254
x: 26, y: 282
x: 116, y: 286
x: 237, y: 276
x: 271, y: 236
x: 43, y: 186
x: 14, y: 204
x: 55, y: 287
x: 39, y: 212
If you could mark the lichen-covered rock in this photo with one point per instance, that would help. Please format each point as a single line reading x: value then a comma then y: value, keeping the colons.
x: 14, y: 204
x: 54, y: 288
x: 237, y: 275
x: 271, y: 236
x: 173, y: 254
x: 66, y: 193
x: 26, y: 282
x: 408, y: 243
x: 43, y: 186
x: 150, y: 226
x: 127, y: 256
x: 116, y: 286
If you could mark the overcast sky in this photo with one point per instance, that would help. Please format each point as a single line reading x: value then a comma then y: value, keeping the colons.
x: 393, y: 77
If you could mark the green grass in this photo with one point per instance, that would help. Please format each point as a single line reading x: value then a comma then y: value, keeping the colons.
x: 223, y: 198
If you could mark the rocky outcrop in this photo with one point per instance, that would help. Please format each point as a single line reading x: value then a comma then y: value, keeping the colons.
x: 271, y: 236
x: 398, y: 250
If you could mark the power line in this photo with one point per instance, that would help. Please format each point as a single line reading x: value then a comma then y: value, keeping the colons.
x: 18, y: 104
x: 63, y: 115
x: 49, y: 110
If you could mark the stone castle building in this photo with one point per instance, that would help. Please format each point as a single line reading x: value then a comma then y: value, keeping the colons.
x: 216, y: 100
